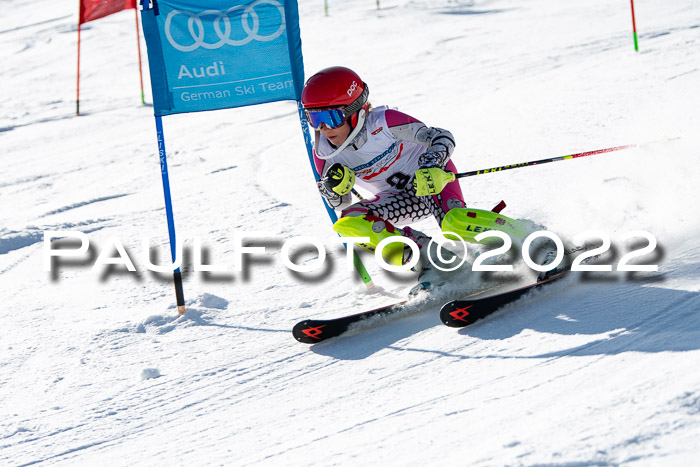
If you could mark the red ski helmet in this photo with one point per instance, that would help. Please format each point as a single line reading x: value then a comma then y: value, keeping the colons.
x: 335, y: 88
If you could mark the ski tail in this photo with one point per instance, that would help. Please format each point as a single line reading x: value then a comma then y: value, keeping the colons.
x: 312, y: 331
x: 465, y: 311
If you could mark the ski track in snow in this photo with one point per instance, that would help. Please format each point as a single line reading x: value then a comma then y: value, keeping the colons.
x: 598, y: 369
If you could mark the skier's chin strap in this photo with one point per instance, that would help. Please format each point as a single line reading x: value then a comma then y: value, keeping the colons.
x: 348, y: 141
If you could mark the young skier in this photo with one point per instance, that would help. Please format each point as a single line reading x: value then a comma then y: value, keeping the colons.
x: 403, y: 162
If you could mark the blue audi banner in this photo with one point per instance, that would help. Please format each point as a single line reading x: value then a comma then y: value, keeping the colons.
x: 219, y: 54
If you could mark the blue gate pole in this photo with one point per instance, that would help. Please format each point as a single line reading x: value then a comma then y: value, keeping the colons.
x: 177, y: 275
x: 359, y: 267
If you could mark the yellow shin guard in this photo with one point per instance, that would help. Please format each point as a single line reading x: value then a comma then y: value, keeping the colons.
x: 468, y: 223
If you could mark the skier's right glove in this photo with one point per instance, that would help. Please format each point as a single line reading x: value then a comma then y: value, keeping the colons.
x: 339, y: 179
x: 431, y: 181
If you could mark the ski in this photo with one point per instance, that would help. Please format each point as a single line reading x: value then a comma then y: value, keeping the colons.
x: 465, y: 311
x: 311, y: 331
x: 453, y: 313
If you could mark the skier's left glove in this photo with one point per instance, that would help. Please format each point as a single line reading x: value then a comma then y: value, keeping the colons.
x: 431, y: 181
x: 339, y: 179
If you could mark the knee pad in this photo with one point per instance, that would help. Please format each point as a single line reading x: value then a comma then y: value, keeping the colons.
x: 468, y: 223
x: 377, y: 230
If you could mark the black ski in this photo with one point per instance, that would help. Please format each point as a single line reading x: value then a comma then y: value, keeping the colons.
x: 465, y: 311
x: 311, y: 331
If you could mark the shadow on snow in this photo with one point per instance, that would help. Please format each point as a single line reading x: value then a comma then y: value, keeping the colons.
x: 635, y: 317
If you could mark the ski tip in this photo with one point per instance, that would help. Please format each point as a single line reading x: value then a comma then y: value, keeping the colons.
x: 307, y: 333
x: 312, y: 331
x: 457, y: 315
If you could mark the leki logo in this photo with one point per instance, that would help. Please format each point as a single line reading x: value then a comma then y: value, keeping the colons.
x: 352, y: 88
x: 250, y: 23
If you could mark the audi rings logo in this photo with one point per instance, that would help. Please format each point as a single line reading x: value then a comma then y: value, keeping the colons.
x: 222, y: 26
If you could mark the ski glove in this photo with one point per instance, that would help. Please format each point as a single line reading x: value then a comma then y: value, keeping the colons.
x: 431, y: 181
x: 430, y: 159
x: 339, y: 179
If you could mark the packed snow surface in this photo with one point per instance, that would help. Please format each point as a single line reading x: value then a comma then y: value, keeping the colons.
x: 97, y: 368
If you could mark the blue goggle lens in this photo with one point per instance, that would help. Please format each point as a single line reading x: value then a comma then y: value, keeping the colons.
x: 332, y: 118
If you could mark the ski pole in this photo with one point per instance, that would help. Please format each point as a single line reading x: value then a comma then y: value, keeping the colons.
x: 634, y: 29
x: 359, y: 196
x: 544, y: 161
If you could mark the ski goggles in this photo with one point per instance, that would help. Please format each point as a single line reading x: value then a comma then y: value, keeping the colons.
x: 332, y: 118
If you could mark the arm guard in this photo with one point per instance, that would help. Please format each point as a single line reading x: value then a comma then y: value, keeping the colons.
x: 439, y: 143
